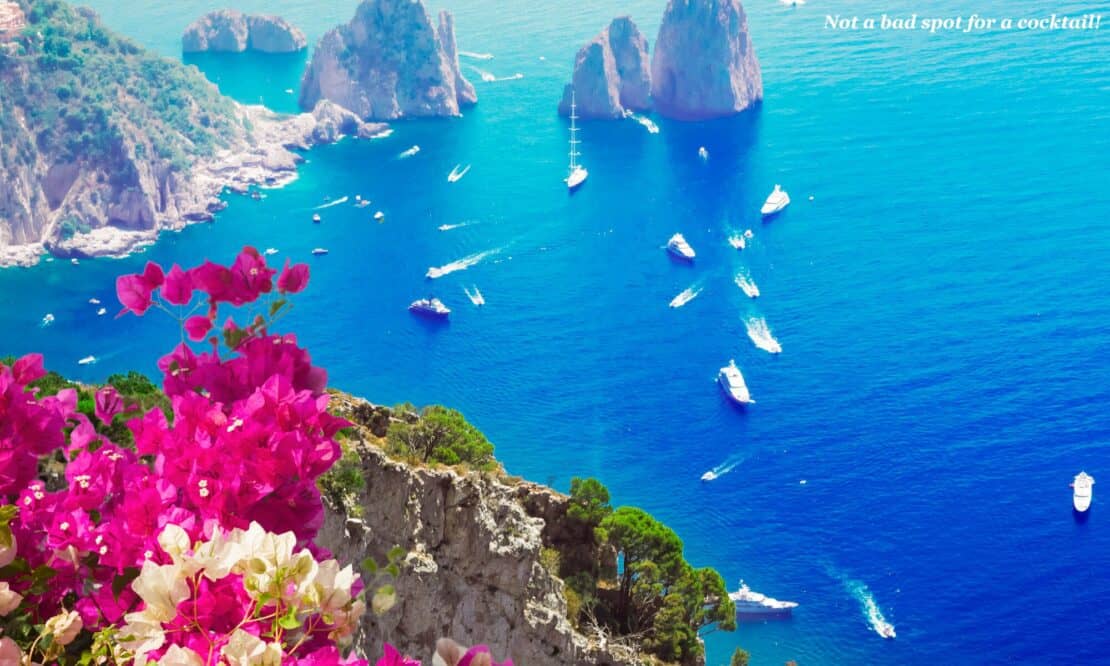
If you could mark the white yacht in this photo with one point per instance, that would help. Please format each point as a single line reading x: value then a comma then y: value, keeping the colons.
x: 703, y: 153
x: 778, y: 200
x: 709, y: 476
x: 1082, y: 490
x: 316, y: 218
x: 577, y: 174
x: 678, y: 246
x: 88, y: 360
x: 101, y: 312
x: 379, y: 216
x: 733, y: 384
x: 431, y: 307
x: 94, y: 301
x: 747, y: 233
x: 752, y: 605
x: 360, y: 202
x: 319, y: 251
x: 271, y: 251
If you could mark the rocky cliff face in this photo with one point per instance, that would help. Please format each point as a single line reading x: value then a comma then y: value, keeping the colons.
x: 389, y: 62
x: 473, y: 570
x: 230, y: 30
x: 110, y: 177
x: 704, y: 65
x: 611, y: 73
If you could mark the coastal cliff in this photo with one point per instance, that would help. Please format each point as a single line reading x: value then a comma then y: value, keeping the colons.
x: 103, y: 145
x: 704, y: 64
x: 389, y: 62
x: 611, y: 73
x: 231, y: 30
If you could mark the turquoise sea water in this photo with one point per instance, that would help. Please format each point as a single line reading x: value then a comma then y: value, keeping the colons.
x: 942, y: 306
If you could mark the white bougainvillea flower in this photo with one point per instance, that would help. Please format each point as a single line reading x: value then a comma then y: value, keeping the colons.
x: 64, y: 627
x: 180, y: 656
x: 9, y: 599
x: 162, y: 588
x: 175, y: 541
x: 141, y: 634
x: 244, y: 649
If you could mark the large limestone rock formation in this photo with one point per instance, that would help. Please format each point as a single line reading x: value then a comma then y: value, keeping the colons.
x: 704, y: 65
x: 230, y: 30
x: 611, y: 73
x: 473, y: 570
x: 389, y: 62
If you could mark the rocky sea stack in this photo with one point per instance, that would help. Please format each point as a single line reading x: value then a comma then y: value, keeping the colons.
x: 704, y: 65
x: 611, y: 73
x: 230, y: 30
x: 389, y: 62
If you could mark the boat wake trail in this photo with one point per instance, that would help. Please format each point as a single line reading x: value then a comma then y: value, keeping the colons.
x: 687, y: 295
x: 760, y: 334
x: 867, y: 604
x: 449, y: 227
x: 475, y: 296
x: 457, y: 173
x: 460, y: 265
x: 724, y: 468
x: 490, y: 77
x: 340, y: 200
x: 476, y: 56
x: 650, y: 126
x: 409, y: 153
x: 747, y: 285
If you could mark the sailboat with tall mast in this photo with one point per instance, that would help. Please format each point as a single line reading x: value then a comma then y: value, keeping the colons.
x: 578, y: 173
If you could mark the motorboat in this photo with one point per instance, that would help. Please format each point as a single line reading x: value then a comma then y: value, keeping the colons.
x: 379, y: 216
x: 703, y: 153
x: 271, y: 251
x: 101, y: 312
x: 709, y: 476
x: 457, y: 173
x: 678, y: 246
x: 88, y: 360
x: 737, y: 242
x: 748, y: 233
x: 94, y: 301
x: 777, y: 200
x: 360, y: 202
x: 1082, y: 489
x: 577, y: 173
x: 430, y: 307
x: 320, y: 251
x: 47, y: 319
x: 74, y: 261
x: 732, y: 381
x: 316, y: 218
x: 751, y: 605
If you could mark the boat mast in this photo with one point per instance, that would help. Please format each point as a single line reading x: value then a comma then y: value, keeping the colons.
x: 573, y: 133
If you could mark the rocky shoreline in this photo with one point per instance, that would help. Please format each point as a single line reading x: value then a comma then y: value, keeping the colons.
x: 267, y: 157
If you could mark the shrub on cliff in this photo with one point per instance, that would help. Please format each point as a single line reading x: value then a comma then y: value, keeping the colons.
x: 439, y: 435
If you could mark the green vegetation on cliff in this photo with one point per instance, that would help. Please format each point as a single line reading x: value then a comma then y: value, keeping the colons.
x: 78, y: 92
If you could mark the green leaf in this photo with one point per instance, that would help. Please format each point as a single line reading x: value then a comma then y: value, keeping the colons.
x: 397, y: 553
x: 370, y: 566
x: 289, y: 620
x: 276, y: 305
x: 7, y: 513
x: 393, y: 570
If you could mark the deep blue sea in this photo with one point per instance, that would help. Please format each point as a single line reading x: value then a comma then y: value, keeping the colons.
x: 940, y: 288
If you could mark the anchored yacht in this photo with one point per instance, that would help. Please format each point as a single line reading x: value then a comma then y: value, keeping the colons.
x: 733, y: 384
x: 752, y: 605
x: 678, y: 246
x: 577, y: 174
x: 1082, y: 490
x: 778, y: 200
x: 430, y: 307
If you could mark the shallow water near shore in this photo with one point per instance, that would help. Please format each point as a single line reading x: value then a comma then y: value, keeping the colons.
x: 941, y: 304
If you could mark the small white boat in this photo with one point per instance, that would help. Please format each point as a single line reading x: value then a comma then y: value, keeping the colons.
x: 733, y: 384
x: 737, y: 242
x: 430, y: 307
x: 709, y: 476
x: 777, y: 200
x: 360, y: 202
x: 288, y: 91
x: 271, y: 251
x: 101, y: 312
x: 47, y: 319
x: 379, y: 216
x: 475, y: 296
x: 410, y: 152
x: 316, y: 218
x: 94, y: 301
x: 703, y: 154
x: 1082, y: 490
x: 577, y: 174
x: 88, y: 360
x: 74, y: 261
x: 457, y: 173
x: 747, y: 233
x: 320, y: 251
x: 678, y: 247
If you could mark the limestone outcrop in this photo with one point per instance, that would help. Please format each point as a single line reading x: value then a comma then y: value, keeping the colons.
x: 390, y: 61
x: 231, y: 30
x: 704, y: 64
x: 612, y: 73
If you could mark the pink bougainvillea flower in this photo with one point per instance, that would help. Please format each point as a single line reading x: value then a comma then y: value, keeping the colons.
x: 27, y: 369
x: 293, y: 278
x: 134, y: 291
x: 108, y: 404
x: 391, y: 657
x: 178, y: 288
x: 197, y: 327
x: 328, y: 656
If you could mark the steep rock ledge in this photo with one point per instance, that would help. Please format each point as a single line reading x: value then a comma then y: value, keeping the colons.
x: 234, y: 31
x: 704, y: 64
x: 389, y: 62
x: 611, y: 73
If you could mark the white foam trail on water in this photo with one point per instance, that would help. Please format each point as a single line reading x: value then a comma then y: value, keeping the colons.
x: 760, y: 333
x: 449, y: 227
x: 870, y: 608
x: 409, y: 153
x: 456, y: 174
x: 490, y: 77
x: 383, y: 134
x: 475, y: 296
x: 747, y: 285
x: 476, y: 56
x: 650, y: 126
x: 460, y: 265
x: 725, y: 467
x: 340, y: 200
x: 687, y: 295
